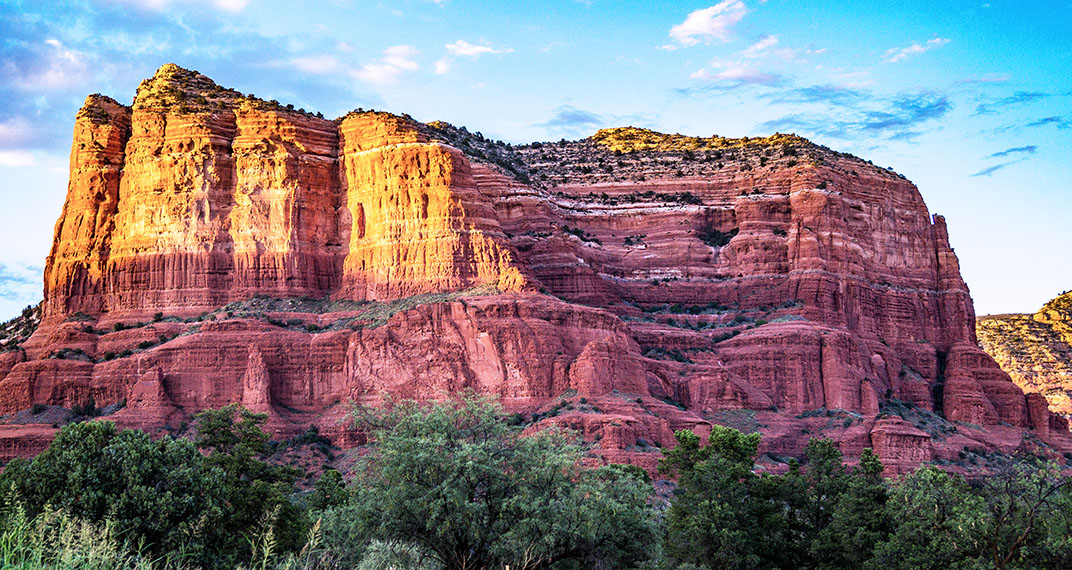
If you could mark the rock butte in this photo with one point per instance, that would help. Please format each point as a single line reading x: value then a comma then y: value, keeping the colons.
x: 1036, y: 350
x: 217, y: 248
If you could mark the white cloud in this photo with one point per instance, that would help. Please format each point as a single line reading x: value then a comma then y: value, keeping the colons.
x: 16, y: 158
x: 893, y: 55
x: 854, y: 79
x: 736, y: 72
x: 396, y: 61
x: 316, y: 64
x: 62, y: 68
x: 709, y: 23
x: 401, y: 57
x: 15, y: 132
x: 442, y: 66
x: 761, y: 46
x: 233, y: 6
x: 464, y: 48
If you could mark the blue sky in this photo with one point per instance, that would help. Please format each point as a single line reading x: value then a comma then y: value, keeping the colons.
x: 972, y: 101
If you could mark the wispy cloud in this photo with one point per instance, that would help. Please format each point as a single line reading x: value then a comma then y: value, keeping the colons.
x: 761, y: 46
x: 992, y: 169
x: 988, y: 78
x: 20, y: 282
x: 316, y: 64
x: 737, y: 74
x: 15, y: 132
x: 750, y: 66
x: 1029, y: 149
x: 51, y: 67
x: 767, y: 46
x: 828, y: 93
x: 16, y: 158
x: 1017, y: 98
x: 572, y: 122
x: 571, y: 119
x: 462, y: 48
x: 707, y: 24
x: 894, y: 55
x: 395, y: 62
x: 1059, y: 122
x: 232, y: 6
x: 852, y: 116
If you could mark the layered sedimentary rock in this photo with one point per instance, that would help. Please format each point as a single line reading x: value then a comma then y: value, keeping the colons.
x: 215, y: 248
x: 1035, y: 349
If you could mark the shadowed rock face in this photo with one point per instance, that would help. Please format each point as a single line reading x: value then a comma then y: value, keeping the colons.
x: 215, y: 248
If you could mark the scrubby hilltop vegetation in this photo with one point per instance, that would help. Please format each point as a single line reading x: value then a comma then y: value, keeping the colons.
x: 15, y: 331
x: 454, y: 485
x: 1035, y: 349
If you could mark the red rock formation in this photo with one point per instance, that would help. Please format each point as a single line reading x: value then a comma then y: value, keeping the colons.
x: 293, y: 264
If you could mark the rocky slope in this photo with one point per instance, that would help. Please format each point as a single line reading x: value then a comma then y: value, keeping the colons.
x: 218, y: 248
x: 1036, y: 350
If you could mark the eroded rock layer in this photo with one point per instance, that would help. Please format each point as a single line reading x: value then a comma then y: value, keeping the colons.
x: 215, y: 248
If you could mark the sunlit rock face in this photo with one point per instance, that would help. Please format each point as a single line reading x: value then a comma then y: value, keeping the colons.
x: 216, y: 248
x: 1036, y: 350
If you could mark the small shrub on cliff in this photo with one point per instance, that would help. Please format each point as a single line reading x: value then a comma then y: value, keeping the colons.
x: 87, y: 409
x: 715, y: 238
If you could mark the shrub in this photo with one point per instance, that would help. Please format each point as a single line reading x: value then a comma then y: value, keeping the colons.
x: 454, y: 481
x: 715, y: 238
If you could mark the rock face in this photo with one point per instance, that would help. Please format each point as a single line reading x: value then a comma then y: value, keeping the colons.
x: 216, y: 248
x: 1036, y: 350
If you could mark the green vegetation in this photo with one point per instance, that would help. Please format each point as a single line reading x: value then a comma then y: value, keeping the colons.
x: 822, y: 515
x: 715, y: 238
x: 633, y: 139
x: 455, y: 485
x: 584, y: 235
x: 17, y: 330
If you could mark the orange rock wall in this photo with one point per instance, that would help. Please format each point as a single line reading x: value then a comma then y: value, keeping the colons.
x: 186, y: 209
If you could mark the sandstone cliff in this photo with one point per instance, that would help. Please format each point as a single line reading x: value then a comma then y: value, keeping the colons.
x: 217, y: 248
x: 1036, y: 350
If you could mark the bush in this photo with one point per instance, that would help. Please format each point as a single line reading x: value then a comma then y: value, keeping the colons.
x: 87, y: 409
x: 715, y: 238
x: 159, y: 492
x: 454, y: 481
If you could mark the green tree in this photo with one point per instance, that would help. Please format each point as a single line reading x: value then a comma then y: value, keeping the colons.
x: 859, y: 518
x: 257, y: 492
x: 455, y: 482
x: 938, y: 524
x: 162, y: 491
x: 330, y: 491
x: 724, y: 515
x: 684, y: 456
x: 1028, y: 516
